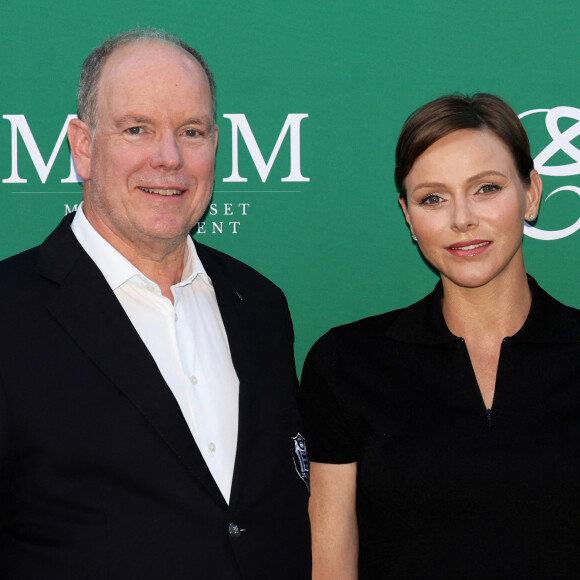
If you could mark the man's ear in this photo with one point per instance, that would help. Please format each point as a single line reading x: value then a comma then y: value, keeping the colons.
x: 80, y: 139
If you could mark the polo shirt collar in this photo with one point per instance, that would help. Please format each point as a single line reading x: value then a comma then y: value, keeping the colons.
x: 548, y: 321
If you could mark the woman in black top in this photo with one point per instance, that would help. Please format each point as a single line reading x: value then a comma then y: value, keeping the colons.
x: 445, y: 437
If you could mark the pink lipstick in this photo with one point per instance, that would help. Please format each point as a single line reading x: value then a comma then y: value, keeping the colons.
x: 469, y: 248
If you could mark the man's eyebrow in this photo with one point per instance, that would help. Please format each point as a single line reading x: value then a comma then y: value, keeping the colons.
x: 206, y: 121
x: 131, y: 120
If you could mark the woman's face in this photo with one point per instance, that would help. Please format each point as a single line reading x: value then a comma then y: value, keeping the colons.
x: 466, y: 204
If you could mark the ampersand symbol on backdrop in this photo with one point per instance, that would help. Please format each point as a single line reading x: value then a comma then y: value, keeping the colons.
x: 561, y: 141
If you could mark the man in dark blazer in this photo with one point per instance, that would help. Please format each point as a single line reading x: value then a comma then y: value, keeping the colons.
x: 104, y: 473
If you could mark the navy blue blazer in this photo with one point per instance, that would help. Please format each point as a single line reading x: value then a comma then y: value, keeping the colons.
x: 100, y: 476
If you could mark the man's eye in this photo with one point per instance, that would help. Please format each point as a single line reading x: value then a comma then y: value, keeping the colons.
x: 431, y: 199
x: 191, y: 132
x: 134, y: 130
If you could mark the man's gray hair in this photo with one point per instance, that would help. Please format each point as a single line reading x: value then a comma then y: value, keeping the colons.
x: 93, y: 65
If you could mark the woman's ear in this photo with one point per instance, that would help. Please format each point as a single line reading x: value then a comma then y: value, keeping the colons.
x: 403, y: 204
x: 533, y: 196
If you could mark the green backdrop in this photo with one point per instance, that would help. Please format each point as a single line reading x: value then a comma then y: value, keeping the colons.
x: 330, y: 83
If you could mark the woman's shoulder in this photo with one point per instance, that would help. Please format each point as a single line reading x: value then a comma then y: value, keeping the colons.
x: 377, y: 323
x: 407, y: 324
x: 550, y: 320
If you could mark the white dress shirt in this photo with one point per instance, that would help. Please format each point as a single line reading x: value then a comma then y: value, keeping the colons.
x: 187, y: 340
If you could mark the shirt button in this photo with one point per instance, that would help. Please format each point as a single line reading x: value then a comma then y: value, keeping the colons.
x: 211, y: 447
x: 150, y: 287
x: 193, y: 379
x: 175, y: 317
x: 234, y: 530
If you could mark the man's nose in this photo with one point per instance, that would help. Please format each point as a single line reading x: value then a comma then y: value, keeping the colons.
x: 167, y: 154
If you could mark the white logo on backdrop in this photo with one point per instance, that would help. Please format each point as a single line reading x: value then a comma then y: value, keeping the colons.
x: 19, y: 126
x: 561, y: 141
x: 232, y: 213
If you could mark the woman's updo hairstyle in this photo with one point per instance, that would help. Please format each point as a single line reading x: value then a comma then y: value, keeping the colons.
x: 450, y: 113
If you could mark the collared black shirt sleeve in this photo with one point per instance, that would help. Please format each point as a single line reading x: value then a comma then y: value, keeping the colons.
x: 329, y: 438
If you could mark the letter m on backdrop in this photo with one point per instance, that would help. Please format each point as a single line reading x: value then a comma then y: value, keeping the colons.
x: 240, y: 124
x: 20, y: 125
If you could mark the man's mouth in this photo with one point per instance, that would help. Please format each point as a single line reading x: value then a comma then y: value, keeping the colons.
x: 166, y: 192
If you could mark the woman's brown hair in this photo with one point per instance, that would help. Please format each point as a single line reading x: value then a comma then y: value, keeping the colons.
x: 450, y: 113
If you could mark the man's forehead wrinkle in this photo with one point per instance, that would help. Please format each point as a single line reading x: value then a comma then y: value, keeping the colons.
x: 115, y: 92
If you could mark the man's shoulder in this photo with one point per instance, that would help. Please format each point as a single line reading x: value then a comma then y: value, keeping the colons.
x: 20, y: 285
x: 19, y: 266
x: 51, y: 259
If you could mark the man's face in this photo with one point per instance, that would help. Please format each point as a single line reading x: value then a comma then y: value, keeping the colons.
x: 149, y: 166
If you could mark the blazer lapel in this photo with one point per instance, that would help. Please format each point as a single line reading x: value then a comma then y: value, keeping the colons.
x: 89, y: 311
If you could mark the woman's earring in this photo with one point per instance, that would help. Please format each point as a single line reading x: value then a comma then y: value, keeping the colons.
x: 414, y: 237
x: 532, y: 217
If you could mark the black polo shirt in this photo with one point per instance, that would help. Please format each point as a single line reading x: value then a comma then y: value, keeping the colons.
x: 445, y: 487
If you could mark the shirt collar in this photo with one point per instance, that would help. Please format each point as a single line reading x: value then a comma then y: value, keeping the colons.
x: 548, y: 321
x: 116, y: 268
x: 422, y: 322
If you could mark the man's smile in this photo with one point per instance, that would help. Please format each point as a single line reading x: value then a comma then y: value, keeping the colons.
x: 166, y: 192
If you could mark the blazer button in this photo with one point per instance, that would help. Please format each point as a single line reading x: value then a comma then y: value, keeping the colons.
x: 234, y: 530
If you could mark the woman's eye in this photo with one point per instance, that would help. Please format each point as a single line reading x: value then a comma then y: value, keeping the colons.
x: 431, y: 199
x: 489, y: 188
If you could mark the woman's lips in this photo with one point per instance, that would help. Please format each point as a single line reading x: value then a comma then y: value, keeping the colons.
x: 469, y: 248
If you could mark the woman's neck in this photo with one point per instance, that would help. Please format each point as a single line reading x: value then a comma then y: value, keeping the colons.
x: 496, y: 310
